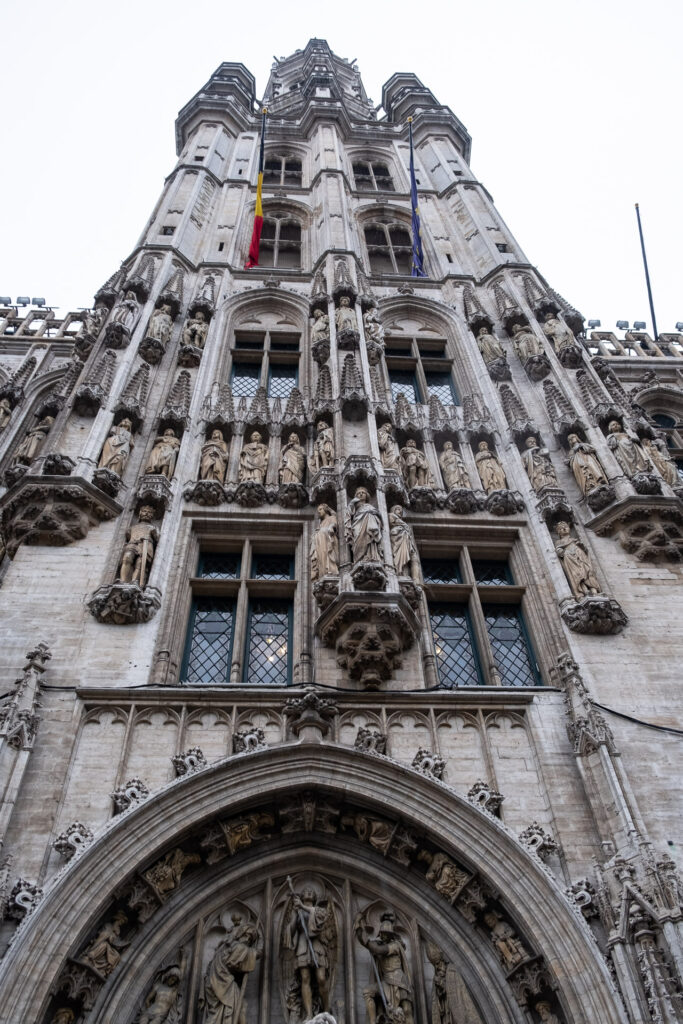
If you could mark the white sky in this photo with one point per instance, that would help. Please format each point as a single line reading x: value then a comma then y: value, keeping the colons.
x: 574, y: 111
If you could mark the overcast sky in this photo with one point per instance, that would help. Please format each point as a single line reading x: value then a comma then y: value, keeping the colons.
x: 574, y: 111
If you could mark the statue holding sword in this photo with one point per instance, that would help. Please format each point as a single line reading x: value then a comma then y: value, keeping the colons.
x: 309, y: 942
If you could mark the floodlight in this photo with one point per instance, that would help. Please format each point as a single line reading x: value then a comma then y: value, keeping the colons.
x: 23, y: 300
x: 679, y: 325
x: 38, y: 302
x: 594, y: 323
x: 622, y: 325
x: 5, y: 300
x: 639, y: 325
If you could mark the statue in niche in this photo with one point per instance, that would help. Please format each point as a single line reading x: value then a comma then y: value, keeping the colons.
x: 253, y: 460
x: 414, y: 465
x: 103, y: 952
x: 364, y: 528
x: 388, y: 449
x: 391, y: 971
x: 5, y: 412
x: 583, y: 462
x: 117, y: 448
x: 545, y: 1012
x: 576, y: 562
x: 309, y: 953
x: 195, y: 330
x: 323, y: 446
x: 126, y: 310
x: 320, y: 331
x: 213, y: 461
x: 662, y: 461
x: 64, y: 1015
x: 160, y: 324
x: 325, y: 545
x: 138, y: 552
x: 451, y: 1003
x: 559, y: 333
x: 345, y: 315
x: 162, y: 458
x: 33, y: 442
x: 406, y: 558
x: 455, y: 475
x: 511, y: 950
x: 292, y: 461
x: 163, y: 1001
x: 491, y: 473
x: 222, y: 996
x: 444, y: 874
x: 92, y: 321
x: 526, y: 343
x: 490, y: 348
x: 374, y: 329
x: 538, y: 466
x: 627, y: 450
x: 374, y: 831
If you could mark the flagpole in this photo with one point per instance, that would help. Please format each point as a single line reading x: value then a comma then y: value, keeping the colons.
x: 647, y: 274
x: 253, y: 257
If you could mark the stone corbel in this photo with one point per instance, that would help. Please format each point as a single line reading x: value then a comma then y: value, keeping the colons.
x: 651, y: 528
x: 597, y: 614
x: 504, y: 503
x: 123, y: 603
x: 208, y: 493
x: 153, y: 489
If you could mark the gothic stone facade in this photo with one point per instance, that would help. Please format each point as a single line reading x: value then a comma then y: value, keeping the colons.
x: 329, y: 578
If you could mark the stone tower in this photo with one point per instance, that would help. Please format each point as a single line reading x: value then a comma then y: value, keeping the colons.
x: 331, y: 579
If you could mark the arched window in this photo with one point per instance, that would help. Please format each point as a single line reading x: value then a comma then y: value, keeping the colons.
x: 372, y: 175
x: 282, y: 170
x: 280, y: 241
x: 389, y: 247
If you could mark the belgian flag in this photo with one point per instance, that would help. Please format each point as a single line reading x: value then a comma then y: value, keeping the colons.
x: 252, y: 259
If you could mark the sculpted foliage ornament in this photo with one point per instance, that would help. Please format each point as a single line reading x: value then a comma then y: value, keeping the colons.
x: 248, y: 741
x: 23, y: 899
x: 73, y: 840
x: 538, y: 840
x: 131, y: 793
x: 188, y: 762
x: 429, y: 764
x: 485, y: 797
x: 311, y: 716
x: 370, y: 741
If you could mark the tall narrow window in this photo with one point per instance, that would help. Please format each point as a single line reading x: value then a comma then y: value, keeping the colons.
x: 372, y: 175
x: 510, y: 645
x: 453, y: 646
x: 389, y: 248
x: 209, y: 641
x: 440, y: 384
x: 268, y: 642
x: 405, y: 382
x: 281, y: 380
x: 280, y: 242
x: 282, y: 170
x: 245, y: 379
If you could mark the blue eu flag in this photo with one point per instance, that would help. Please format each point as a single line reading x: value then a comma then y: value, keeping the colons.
x: 417, y: 259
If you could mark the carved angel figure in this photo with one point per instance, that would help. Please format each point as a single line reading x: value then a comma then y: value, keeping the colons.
x: 364, y: 528
x: 559, y: 333
x: 526, y: 343
x: 490, y: 471
x: 627, y: 450
x: 391, y: 985
x: 222, y: 996
x: 309, y: 953
x: 103, y: 952
x: 117, y: 448
x: 163, y: 1002
x: 455, y: 475
x: 33, y: 442
x: 388, y: 450
x: 325, y: 545
x: 292, y: 461
x: 214, y: 458
x: 538, y: 466
x: 583, y: 462
x: 162, y: 458
x: 576, y: 562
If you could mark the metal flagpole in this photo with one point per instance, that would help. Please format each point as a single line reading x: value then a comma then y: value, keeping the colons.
x: 647, y: 274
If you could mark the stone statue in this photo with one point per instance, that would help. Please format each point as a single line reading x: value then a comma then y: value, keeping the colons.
x: 512, y: 951
x: 662, y: 461
x: 195, y: 330
x: 627, y: 450
x: 490, y: 348
x: 576, y: 562
x: 455, y: 475
x: 162, y: 458
x: 292, y: 462
x: 526, y: 343
x: 392, y: 971
x: 64, y: 1015
x: 126, y: 310
x: 364, y: 528
x: 92, y: 320
x: 222, y: 996
x: 32, y: 442
x: 103, y: 952
x: 323, y: 447
x: 138, y: 552
x: 345, y: 315
x: 374, y: 329
x: 388, y: 451
x: 165, y: 875
x: 309, y: 943
x: 325, y: 545
x: 559, y: 333
x: 5, y: 412
x: 538, y: 466
x: 583, y: 462
x: 544, y: 1011
x: 160, y: 324
x: 213, y: 462
x: 320, y: 331
x: 406, y: 558
x: 253, y: 460
x: 490, y: 471
x: 162, y: 1002
x: 414, y: 465
x: 117, y: 448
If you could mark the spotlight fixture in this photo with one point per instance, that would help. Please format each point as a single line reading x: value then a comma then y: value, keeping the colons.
x: 5, y: 300
x: 23, y: 300
x: 679, y: 325
x: 594, y: 323
x: 622, y: 325
x: 38, y: 302
x: 639, y: 325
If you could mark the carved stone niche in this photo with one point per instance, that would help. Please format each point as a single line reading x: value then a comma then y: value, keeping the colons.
x: 48, y: 510
x: 153, y: 489
x: 324, y: 486
x: 359, y: 471
x: 650, y: 528
x: 596, y: 614
x: 123, y: 603
x: 394, y: 487
x: 369, y: 633
x: 553, y: 506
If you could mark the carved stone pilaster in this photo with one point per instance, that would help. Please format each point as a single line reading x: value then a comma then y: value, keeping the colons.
x: 123, y: 603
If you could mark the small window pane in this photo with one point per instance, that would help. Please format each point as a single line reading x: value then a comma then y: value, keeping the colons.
x: 491, y: 572
x: 219, y: 565
x: 404, y: 381
x: 510, y: 647
x: 455, y: 657
x: 209, y: 641
x: 281, y: 380
x: 268, y: 643
x: 271, y: 567
x: 440, y: 385
x: 440, y: 570
x: 245, y: 380
x: 268, y: 229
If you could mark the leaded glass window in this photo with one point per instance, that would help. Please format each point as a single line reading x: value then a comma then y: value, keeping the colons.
x: 492, y: 573
x: 440, y: 385
x: 209, y: 644
x: 404, y: 381
x: 245, y: 379
x: 510, y: 645
x: 219, y: 565
x: 455, y: 655
x: 271, y: 567
x: 281, y: 380
x: 441, y: 570
x: 268, y: 654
